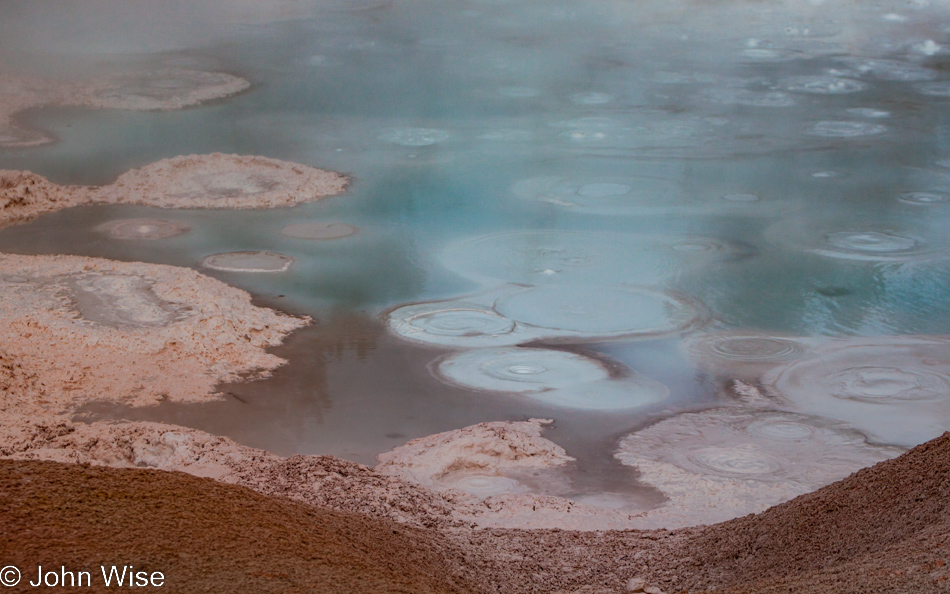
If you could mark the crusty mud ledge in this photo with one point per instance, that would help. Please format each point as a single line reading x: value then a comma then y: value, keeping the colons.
x: 64, y: 315
x: 152, y: 90
x: 193, y: 181
x: 883, y: 529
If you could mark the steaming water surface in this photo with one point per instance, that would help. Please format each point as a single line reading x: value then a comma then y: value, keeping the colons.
x: 598, y: 212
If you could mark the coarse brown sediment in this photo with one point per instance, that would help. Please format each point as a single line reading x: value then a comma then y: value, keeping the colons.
x: 319, y: 480
x: 91, y: 329
x: 204, y: 536
x: 194, y: 181
x: 884, y: 529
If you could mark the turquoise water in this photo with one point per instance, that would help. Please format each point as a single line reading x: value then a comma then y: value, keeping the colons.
x: 706, y: 153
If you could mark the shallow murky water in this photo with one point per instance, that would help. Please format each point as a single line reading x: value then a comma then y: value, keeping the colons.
x: 656, y: 198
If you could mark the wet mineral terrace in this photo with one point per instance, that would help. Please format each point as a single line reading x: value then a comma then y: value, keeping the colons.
x: 711, y: 241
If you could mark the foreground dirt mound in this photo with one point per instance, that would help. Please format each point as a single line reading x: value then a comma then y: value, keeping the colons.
x: 883, y: 529
x: 205, y: 536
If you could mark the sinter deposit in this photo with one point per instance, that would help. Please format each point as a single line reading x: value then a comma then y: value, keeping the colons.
x: 90, y: 329
x: 194, y: 181
x: 162, y: 89
x: 222, y: 181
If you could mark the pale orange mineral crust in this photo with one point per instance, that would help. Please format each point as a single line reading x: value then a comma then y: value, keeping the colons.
x: 25, y: 195
x: 97, y: 330
x: 222, y: 181
x: 149, y: 90
x: 194, y: 181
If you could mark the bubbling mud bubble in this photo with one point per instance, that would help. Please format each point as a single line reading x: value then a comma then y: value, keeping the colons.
x: 734, y: 461
x: 519, y: 370
x: 868, y: 244
x: 741, y: 198
x: 600, y: 196
x: 896, y: 388
x: 744, y: 355
x: 544, y: 257
x: 591, y: 98
x: 823, y: 85
x: 602, y: 312
x: 414, y: 136
x: 319, y: 231
x: 781, y: 429
x: 169, y: 88
x: 748, y: 348
x: 722, y: 463
x: 751, y: 98
x: 888, y: 384
x: 859, y: 238
x: 924, y: 198
x: 554, y: 378
x: 892, y: 70
x: 705, y: 248
x: 142, y: 228
x: 934, y: 89
x: 832, y: 129
x: 248, y: 262
x: 454, y: 323
x: 519, y: 92
x: 868, y: 112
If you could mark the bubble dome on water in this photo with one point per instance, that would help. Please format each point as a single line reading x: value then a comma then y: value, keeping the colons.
x: 545, y: 257
x: 519, y: 92
x: 935, y: 89
x: 870, y: 242
x: 455, y: 323
x: 896, y: 388
x: 924, y: 198
x: 591, y: 98
x: 868, y: 112
x: 823, y: 85
x: 142, y: 228
x: 892, y: 70
x: 248, y: 262
x: 414, y: 136
x: 519, y: 369
x: 860, y: 238
x: 319, y: 230
x: 745, y: 354
x: 832, y: 129
x: 749, y: 97
x: 726, y: 462
x: 602, y: 312
x: 555, y: 378
x: 618, y: 196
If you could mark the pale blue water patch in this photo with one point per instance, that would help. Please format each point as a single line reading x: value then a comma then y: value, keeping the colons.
x: 653, y: 173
